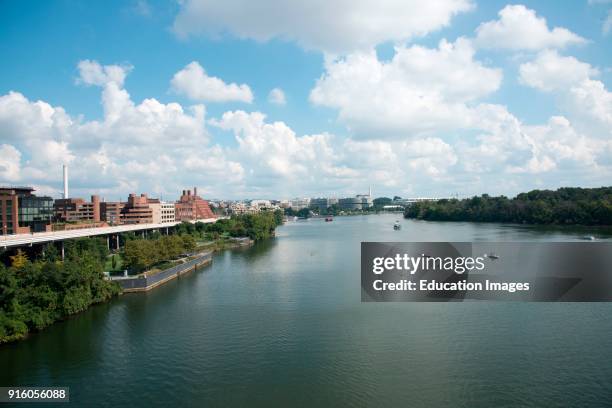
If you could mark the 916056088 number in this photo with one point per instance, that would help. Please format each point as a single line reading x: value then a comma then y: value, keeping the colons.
x: 30, y: 394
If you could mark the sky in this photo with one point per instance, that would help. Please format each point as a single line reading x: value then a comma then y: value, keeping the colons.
x: 281, y: 99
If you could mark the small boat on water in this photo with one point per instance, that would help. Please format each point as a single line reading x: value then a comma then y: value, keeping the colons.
x: 397, y: 225
x: 329, y: 219
x: 491, y: 256
x: 588, y: 238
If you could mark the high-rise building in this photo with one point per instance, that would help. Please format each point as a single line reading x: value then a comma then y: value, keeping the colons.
x: 23, y: 212
x: 192, y: 207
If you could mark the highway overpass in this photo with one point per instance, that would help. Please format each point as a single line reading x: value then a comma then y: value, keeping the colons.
x: 17, y: 240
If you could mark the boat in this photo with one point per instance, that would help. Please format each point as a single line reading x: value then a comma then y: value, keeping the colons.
x: 491, y: 256
x: 397, y: 225
x: 329, y: 219
x: 588, y: 238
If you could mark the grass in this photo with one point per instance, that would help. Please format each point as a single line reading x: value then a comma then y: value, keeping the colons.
x: 108, y: 266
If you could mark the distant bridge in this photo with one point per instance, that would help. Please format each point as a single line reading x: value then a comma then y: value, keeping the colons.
x: 16, y: 240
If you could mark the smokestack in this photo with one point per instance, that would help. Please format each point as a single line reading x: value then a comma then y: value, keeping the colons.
x: 195, y: 191
x: 65, y: 181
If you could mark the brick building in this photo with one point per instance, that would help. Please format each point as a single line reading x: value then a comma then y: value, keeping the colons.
x: 192, y: 207
x: 111, y: 212
x: 22, y: 212
x: 137, y: 210
x: 77, y: 209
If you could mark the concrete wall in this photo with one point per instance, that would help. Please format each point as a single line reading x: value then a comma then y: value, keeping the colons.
x: 142, y: 283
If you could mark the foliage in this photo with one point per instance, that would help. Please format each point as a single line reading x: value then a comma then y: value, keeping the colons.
x: 36, y: 294
x: 382, y: 201
x: 19, y: 260
x: 584, y: 206
x: 255, y: 226
x: 302, y: 213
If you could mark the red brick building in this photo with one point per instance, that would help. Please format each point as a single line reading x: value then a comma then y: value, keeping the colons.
x: 192, y: 207
x: 77, y: 209
x: 137, y: 210
x: 111, y: 211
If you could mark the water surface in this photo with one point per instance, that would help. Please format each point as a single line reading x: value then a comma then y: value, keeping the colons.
x: 281, y: 323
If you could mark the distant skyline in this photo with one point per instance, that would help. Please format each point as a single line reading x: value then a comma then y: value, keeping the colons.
x: 275, y: 99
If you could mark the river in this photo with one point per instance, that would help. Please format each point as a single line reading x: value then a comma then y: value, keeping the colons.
x: 281, y: 324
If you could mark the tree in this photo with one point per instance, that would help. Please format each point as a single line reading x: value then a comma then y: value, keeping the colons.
x: 589, y: 206
x: 19, y: 260
x: 382, y: 201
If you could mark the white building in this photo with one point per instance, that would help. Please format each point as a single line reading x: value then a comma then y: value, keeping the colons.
x: 163, y: 212
x: 299, y: 203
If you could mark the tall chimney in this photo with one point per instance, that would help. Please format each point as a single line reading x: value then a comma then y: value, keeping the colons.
x: 65, y: 181
x: 195, y: 191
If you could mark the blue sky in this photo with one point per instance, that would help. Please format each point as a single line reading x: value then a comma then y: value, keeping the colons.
x: 309, y: 146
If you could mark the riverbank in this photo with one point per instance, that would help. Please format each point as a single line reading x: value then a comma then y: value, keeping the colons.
x: 565, y: 206
x: 39, y: 292
x: 154, y: 278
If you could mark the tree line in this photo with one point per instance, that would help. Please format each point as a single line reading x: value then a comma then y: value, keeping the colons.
x: 565, y: 206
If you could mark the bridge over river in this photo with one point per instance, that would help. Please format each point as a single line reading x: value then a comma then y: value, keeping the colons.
x: 20, y: 240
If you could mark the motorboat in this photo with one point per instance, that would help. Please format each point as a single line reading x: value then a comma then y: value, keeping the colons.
x: 329, y: 218
x: 397, y: 225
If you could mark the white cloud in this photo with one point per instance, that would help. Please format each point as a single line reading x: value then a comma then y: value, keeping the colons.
x: 193, y: 82
x: 159, y: 148
x: 273, y: 149
x: 332, y: 26
x: 421, y: 90
x: 607, y: 25
x: 92, y: 73
x: 10, y: 161
x: 586, y: 101
x: 134, y: 147
x: 550, y: 71
x: 519, y: 28
x: 277, y: 97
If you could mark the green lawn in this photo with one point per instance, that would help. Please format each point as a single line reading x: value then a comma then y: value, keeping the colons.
x: 108, y: 266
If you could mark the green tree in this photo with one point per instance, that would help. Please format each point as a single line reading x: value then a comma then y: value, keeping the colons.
x: 19, y: 260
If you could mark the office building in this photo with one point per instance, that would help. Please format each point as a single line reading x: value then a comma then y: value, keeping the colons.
x: 137, y: 210
x: 110, y: 212
x: 23, y: 212
x: 163, y: 212
x: 77, y: 210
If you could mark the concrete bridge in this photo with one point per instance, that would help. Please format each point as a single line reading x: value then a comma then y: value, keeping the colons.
x: 17, y: 240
